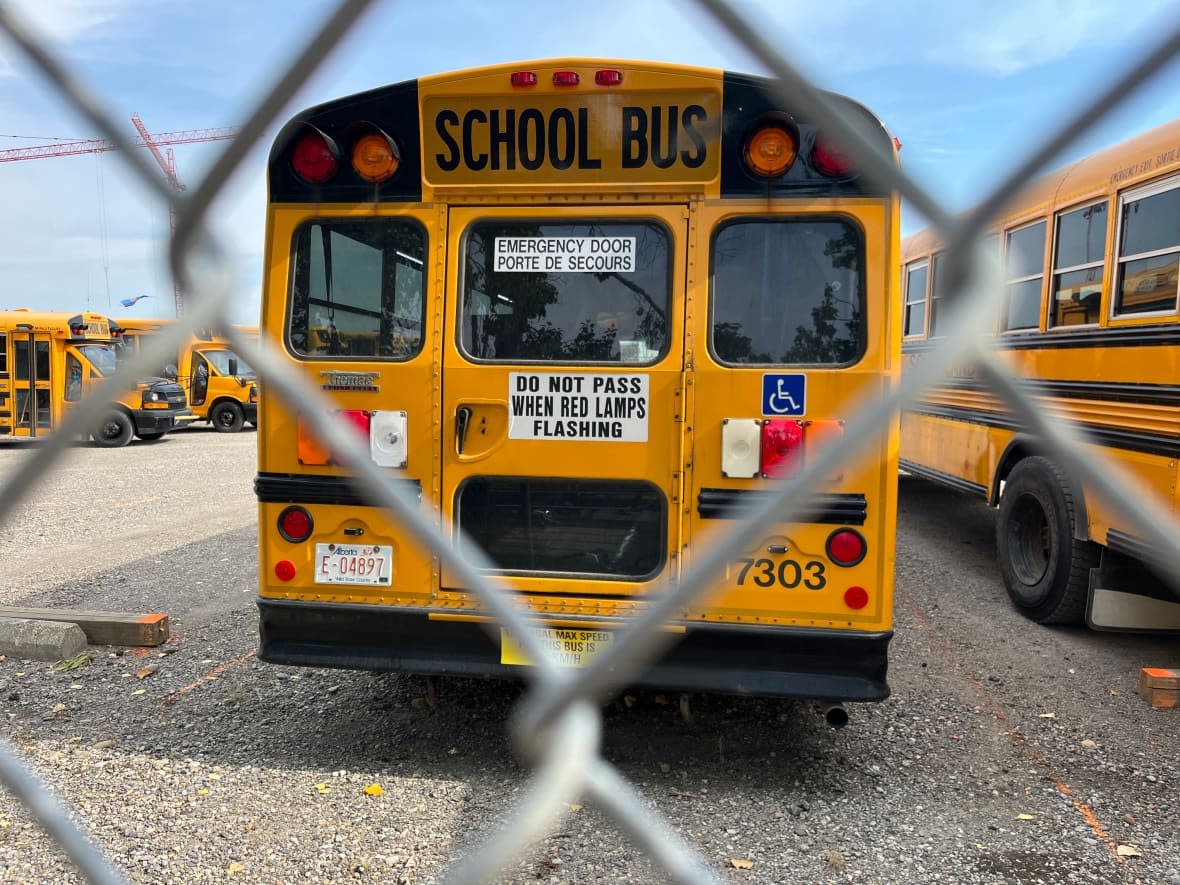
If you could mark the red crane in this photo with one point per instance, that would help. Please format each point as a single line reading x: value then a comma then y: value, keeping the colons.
x: 146, y: 139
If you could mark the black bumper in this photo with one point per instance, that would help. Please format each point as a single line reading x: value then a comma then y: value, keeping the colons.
x: 778, y: 662
x: 157, y: 420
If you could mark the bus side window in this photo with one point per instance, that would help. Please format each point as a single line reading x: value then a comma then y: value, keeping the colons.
x: 73, y: 378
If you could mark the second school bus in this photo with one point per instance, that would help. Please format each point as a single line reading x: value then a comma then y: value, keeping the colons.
x: 1090, y: 322
x: 50, y: 361
x: 221, y: 386
x: 588, y: 311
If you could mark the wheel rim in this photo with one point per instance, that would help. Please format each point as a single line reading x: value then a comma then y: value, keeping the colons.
x: 1030, y: 541
x: 111, y: 430
x: 225, y: 418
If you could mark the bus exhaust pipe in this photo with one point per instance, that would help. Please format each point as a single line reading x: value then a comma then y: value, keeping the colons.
x: 835, y: 715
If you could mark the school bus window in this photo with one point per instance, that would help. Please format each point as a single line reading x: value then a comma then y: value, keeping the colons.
x: 567, y: 292
x: 103, y: 359
x: 940, y: 298
x: 1024, y: 272
x: 73, y: 378
x: 788, y: 291
x: 916, y: 275
x: 3, y: 354
x: 605, y: 529
x: 357, y: 289
x: 1078, y: 266
x: 1149, y: 252
x: 221, y: 360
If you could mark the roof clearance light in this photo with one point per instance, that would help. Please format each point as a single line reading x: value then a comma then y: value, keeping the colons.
x: 846, y: 547
x: 523, y: 78
x: 830, y: 160
x: 315, y: 158
x: 856, y: 597
x: 770, y: 150
x: 566, y: 78
x: 608, y: 78
x: 295, y: 524
x: 375, y: 157
x: 782, y: 447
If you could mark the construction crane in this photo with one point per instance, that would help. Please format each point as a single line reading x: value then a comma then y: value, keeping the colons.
x: 152, y: 142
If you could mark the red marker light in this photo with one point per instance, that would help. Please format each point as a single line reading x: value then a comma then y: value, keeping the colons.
x: 846, y: 547
x: 284, y: 570
x: 831, y: 160
x: 566, y: 78
x: 523, y: 78
x: 295, y: 524
x: 608, y: 78
x: 856, y: 597
x: 315, y: 158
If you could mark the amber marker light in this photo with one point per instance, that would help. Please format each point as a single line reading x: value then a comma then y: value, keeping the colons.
x: 375, y: 157
x: 771, y: 149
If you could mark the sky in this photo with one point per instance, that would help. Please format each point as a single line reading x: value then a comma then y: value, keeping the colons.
x: 969, y: 89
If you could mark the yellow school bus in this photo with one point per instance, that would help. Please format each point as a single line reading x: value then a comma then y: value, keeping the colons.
x: 50, y: 361
x: 221, y: 386
x: 1090, y: 256
x: 589, y: 310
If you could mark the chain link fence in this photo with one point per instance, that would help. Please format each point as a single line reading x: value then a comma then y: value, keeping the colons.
x: 558, y: 724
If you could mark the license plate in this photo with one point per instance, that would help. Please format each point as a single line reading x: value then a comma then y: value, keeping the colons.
x: 568, y: 647
x: 353, y: 564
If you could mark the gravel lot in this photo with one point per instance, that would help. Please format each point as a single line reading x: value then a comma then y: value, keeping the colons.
x: 1008, y: 753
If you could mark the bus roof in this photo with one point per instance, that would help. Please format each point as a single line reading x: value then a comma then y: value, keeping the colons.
x: 71, y: 325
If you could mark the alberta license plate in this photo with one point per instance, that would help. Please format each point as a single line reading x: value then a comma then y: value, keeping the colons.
x: 353, y: 564
x: 568, y: 647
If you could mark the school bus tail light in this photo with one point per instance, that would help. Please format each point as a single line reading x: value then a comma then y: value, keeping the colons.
x: 375, y: 157
x: 782, y: 448
x: 771, y: 147
x: 295, y: 524
x: 830, y: 159
x: 384, y: 431
x: 846, y: 547
x: 315, y: 157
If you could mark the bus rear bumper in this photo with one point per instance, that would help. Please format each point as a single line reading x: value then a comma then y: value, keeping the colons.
x: 774, y: 662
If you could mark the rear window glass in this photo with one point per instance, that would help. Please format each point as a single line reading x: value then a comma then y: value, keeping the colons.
x: 588, y: 292
x: 788, y: 291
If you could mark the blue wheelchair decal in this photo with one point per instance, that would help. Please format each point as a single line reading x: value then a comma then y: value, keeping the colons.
x: 784, y: 395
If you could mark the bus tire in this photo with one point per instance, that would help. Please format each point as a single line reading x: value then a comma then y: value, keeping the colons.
x: 114, y: 430
x: 227, y: 417
x: 1046, y: 569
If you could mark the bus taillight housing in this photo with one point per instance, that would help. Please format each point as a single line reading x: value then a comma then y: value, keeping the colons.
x: 782, y: 448
x: 315, y: 157
x: 830, y: 160
x: 295, y: 524
x: 846, y: 547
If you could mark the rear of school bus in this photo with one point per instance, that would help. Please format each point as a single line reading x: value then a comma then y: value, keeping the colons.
x: 586, y: 335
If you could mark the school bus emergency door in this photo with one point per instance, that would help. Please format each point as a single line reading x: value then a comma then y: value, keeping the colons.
x: 562, y: 457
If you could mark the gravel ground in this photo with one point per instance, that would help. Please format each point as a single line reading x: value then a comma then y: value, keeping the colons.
x: 1008, y: 753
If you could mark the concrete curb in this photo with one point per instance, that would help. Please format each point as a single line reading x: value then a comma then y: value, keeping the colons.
x: 26, y: 639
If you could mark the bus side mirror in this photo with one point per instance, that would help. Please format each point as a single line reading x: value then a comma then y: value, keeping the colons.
x: 233, y: 366
x: 170, y: 372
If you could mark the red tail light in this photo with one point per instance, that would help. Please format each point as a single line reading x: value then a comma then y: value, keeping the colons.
x: 315, y: 158
x: 358, y: 418
x: 782, y: 447
x: 846, y: 547
x: 831, y: 160
x: 295, y: 524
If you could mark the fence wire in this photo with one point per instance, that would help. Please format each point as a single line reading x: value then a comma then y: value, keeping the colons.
x: 558, y: 724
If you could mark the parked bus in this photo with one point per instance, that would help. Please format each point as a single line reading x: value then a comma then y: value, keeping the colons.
x: 589, y: 310
x: 221, y: 386
x: 50, y: 361
x: 1090, y: 256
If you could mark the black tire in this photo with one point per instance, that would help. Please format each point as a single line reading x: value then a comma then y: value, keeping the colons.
x: 227, y: 417
x: 114, y: 430
x: 151, y: 436
x: 1046, y: 569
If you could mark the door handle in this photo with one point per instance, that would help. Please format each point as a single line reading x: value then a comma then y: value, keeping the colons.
x: 462, y: 423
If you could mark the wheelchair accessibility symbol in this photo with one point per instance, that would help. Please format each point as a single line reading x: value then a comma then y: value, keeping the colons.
x: 784, y: 395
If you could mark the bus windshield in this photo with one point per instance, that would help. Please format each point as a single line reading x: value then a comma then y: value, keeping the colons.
x: 101, y: 357
x: 220, y: 359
